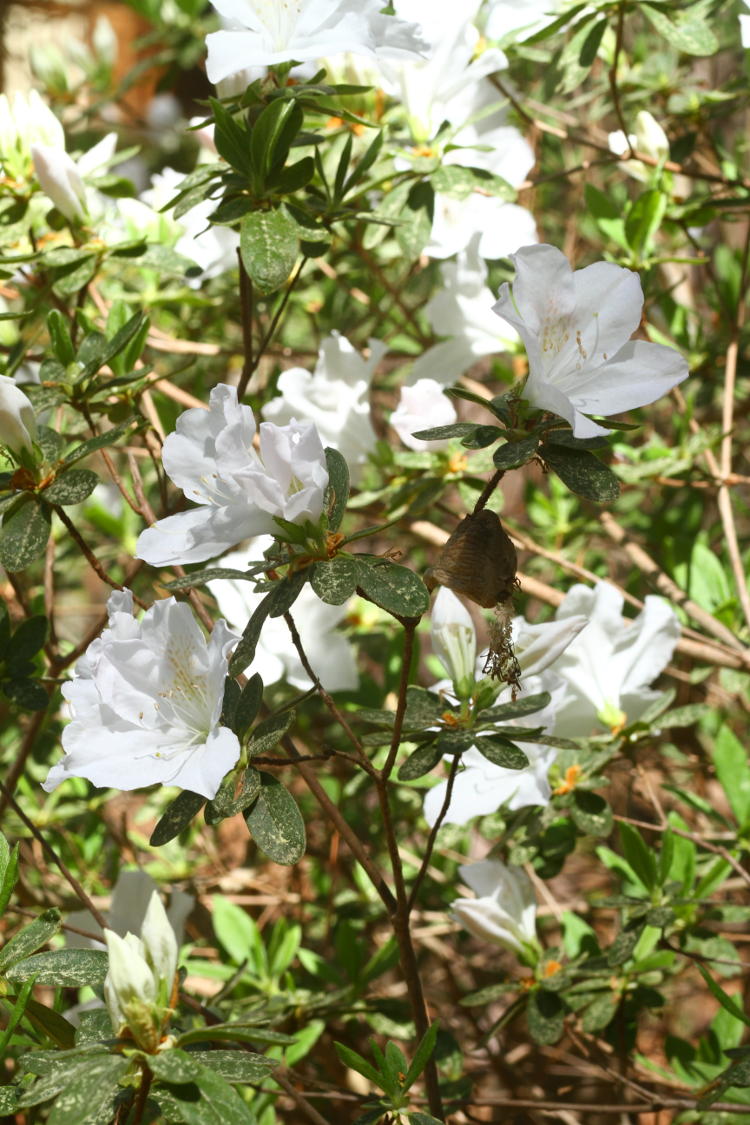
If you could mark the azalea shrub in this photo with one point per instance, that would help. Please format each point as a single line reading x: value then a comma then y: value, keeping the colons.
x: 375, y: 635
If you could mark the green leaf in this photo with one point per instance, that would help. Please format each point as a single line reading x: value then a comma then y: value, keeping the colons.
x: 545, y: 1012
x: 591, y: 813
x: 271, y: 136
x: 64, y: 968
x: 337, y: 492
x: 581, y: 472
x: 235, y: 1032
x: 248, y: 705
x: 230, y: 799
x: 643, y: 220
x: 30, y: 938
x: 688, y: 31
x: 269, y: 246
x: 516, y: 709
x: 621, y: 949
x: 56, y: 1078
x: 639, y: 855
x: 515, y: 453
x: 727, y: 1002
x: 270, y: 732
x: 355, y: 1062
x: 244, y: 654
x: 502, y: 752
x: 202, y: 577
x: 460, y: 181
x: 733, y: 771
x: 231, y: 139
x: 28, y: 639
x: 25, y: 693
x: 71, y: 487
x: 23, y: 535
x: 442, y: 433
x: 335, y: 581
x: 394, y: 588
x: 100, y: 441
x: 174, y: 1066
x: 424, y: 759
x: 600, y: 1013
x: 208, y: 1100
x: 72, y: 273
x: 90, y: 1092
x: 59, y: 334
x: 413, y: 232
x: 235, y: 1066
x: 276, y: 824
x: 8, y: 871
x: 177, y: 817
x: 421, y: 1056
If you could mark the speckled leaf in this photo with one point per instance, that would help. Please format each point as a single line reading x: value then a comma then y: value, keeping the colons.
x: 394, y: 588
x: 335, y: 581
x: 89, y: 1092
x: 65, y: 968
x: 24, y: 535
x: 581, y: 472
x: 177, y: 817
x: 276, y: 823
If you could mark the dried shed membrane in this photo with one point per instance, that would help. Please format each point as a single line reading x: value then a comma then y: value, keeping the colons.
x: 479, y: 561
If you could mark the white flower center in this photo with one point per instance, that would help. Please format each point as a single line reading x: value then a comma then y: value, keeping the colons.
x: 185, y: 703
x: 279, y: 18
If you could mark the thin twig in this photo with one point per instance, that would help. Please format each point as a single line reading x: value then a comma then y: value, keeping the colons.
x: 452, y: 774
x: 82, y: 896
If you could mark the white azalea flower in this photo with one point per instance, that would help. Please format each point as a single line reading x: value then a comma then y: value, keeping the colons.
x: 504, y: 911
x: 462, y: 309
x: 17, y: 418
x: 336, y: 397
x: 745, y: 25
x: 502, y: 227
x: 131, y: 896
x: 24, y: 121
x: 648, y: 138
x: 268, y: 32
x: 482, y: 787
x: 577, y: 329
x: 422, y: 406
x: 609, y: 668
x: 62, y: 179
x: 517, y: 20
x: 140, y: 978
x: 442, y: 85
x: 331, y: 656
x: 146, y: 702
x: 211, y: 458
x: 454, y: 638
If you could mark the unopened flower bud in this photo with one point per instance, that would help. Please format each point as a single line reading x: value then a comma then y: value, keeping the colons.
x: 17, y: 421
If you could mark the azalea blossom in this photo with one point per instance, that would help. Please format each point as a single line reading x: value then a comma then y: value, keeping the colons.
x: 146, y: 702
x: 462, y: 309
x: 329, y: 652
x: 517, y: 20
x: 62, y: 179
x: 422, y: 406
x: 745, y: 25
x: 481, y: 787
x: 268, y: 32
x: 131, y: 895
x: 648, y: 138
x: 577, y: 329
x: 504, y: 910
x: 609, y: 667
x: 335, y: 396
x: 17, y: 419
x: 238, y: 491
x: 24, y: 121
x: 140, y: 979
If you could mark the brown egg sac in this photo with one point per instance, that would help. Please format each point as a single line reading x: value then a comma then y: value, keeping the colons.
x: 478, y: 561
